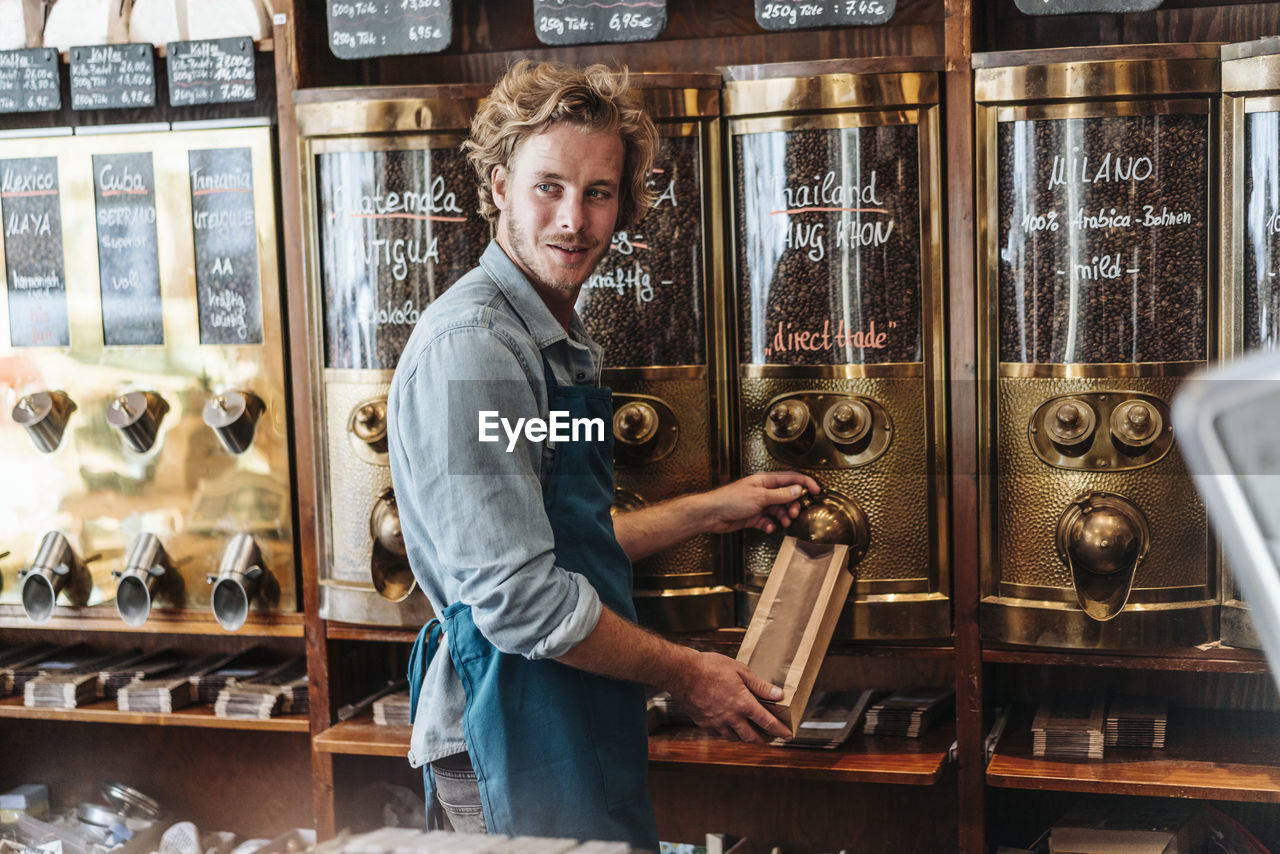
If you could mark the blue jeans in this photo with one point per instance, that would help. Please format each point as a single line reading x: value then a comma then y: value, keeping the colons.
x: 458, y: 794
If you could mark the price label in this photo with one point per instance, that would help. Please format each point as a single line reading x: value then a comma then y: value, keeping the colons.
x: 211, y: 71
x: 29, y: 81
x: 112, y: 77
x: 560, y: 22
x: 794, y: 15
x: 363, y: 28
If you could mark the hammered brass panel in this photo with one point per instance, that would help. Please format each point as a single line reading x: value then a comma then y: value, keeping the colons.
x: 355, y: 484
x: 688, y: 468
x: 1032, y: 494
x: 894, y: 490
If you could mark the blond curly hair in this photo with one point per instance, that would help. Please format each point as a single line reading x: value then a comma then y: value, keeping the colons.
x: 532, y: 96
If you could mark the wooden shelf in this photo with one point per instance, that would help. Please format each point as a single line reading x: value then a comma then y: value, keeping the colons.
x: 864, y: 759
x: 360, y: 736
x: 350, y: 631
x: 1225, y: 756
x: 103, y: 618
x: 1215, y: 660
x: 194, y: 716
x: 162, y: 51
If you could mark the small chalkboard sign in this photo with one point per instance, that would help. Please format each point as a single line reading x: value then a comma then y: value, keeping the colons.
x: 560, y: 22
x: 1077, y: 7
x: 37, y: 285
x: 800, y: 15
x: 29, y: 81
x: 124, y: 194
x: 228, y: 293
x: 211, y: 71
x: 361, y: 28
x: 112, y: 77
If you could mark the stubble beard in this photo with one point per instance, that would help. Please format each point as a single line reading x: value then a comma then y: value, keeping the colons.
x: 539, y: 269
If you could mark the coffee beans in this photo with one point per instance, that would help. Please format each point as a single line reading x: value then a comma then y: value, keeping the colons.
x: 1103, y: 239
x: 1262, y: 237
x: 645, y: 302
x: 828, y: 233
x: 396, y: 229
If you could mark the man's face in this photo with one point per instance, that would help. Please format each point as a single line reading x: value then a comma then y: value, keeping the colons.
x: 558, y: 205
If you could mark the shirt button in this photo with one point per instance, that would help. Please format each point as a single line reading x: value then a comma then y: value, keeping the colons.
x: 582, y: 375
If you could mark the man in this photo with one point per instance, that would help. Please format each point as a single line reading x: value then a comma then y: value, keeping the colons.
x: 531, y: 717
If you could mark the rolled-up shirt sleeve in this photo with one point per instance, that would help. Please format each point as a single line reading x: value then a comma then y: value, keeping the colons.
x: 475, y: 520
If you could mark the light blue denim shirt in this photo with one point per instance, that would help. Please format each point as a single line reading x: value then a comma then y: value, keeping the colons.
x: 471, y: 511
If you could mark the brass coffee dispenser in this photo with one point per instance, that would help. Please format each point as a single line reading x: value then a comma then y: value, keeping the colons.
x: 840, y: 343
x: 391, y: 220
x: 1096, y: 279
x: 142, y: 287
x: 654, y: 304
x: 1250, y: 276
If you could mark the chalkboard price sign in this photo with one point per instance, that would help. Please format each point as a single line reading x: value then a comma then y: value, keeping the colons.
x: 228, y: 292
x: 560, y: 22
x: 212, y: 71
x: 124, y: 194
x: 362, y: 28
x: 796, y: 15
x: 29, y: 81
x: 112, y: 77
x: 1077, y: 7
x: 37, y: 285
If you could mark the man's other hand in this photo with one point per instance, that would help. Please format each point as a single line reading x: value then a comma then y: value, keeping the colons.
x: 762, y: 501
x: 720, y: 694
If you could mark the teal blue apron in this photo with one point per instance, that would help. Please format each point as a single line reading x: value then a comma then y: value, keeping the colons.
x: 559, y: 752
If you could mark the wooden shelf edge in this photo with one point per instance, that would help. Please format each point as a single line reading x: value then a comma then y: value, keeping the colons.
x: 267, y: 45
x: 1219, y: 782
x: 352, y: 631
x: 684, y: 748
x: 1217, y: 660
x: 196, y: 716
x: 103, y: 618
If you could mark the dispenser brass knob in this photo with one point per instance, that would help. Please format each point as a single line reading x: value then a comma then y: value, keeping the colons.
x: 1102, y: 537
x: 137, y: 416
x: 833, y: 518
x: 44, y: 414
x: 384, y: 525
x: 787, y: 421
x: 636, y: 423
x: 389, y: 568
x: 1136, y: 423
x: 233, y: 416
x: 1070, y: 421
x: 848, y: 422
x: 369, y: 424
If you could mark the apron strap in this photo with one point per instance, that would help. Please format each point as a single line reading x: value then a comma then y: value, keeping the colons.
x: 424, y: 649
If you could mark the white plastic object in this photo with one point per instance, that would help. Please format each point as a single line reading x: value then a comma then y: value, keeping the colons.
x: 223, y: 19
x: 74, y: 23
x: 158, y: 22
x: 13, y: 25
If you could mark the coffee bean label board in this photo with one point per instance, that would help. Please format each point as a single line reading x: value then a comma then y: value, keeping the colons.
x: 29, y: 80
x: 1104, y: 239
x: 124, y: 193
x: 212, y: 71
x: 30, y: 205
x: 110, y: 77
x: 396, y: 228
x: 225, y: 234
x: 562, y: 22
x: 793, y: 15
x: 1262, y: 231
x: 645, y: 303
x: 828, y: 245
x: 363, y: 28
x: 1077, y: 7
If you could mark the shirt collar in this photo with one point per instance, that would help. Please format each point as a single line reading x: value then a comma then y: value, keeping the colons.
x: 532, y: 311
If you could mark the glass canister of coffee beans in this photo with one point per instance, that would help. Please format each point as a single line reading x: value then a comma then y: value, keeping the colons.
x: 655, y: 305
x: 838, y: 324
x: 391, y: 220
x: 1250, y: 274
x: 1096, y: 279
